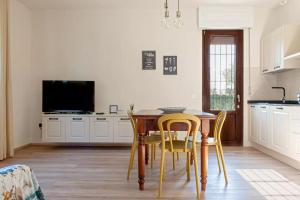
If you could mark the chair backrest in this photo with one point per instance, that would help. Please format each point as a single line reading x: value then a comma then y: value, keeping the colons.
x: 133, y: 124
x: 192, y: 122
x: 221, y: 117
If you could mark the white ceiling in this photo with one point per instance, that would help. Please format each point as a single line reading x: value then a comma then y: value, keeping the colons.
x: 135, y: 4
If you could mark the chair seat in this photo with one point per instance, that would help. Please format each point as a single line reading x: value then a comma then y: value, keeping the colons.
x: 178, y: 146
x: 152, y: 139
x: 173, y: 133
x: 211, y: 140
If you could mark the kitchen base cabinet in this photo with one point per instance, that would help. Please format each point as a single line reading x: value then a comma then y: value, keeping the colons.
x: 276, y: 128
x: 280, y: 129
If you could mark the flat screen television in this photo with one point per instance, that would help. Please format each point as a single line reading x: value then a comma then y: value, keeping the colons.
x: 68, y: 96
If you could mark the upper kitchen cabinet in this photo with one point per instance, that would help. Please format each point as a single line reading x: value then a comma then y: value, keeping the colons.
x: 280, y: 50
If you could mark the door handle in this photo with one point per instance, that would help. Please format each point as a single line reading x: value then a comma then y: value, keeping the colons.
x: 77, y: 119
x: 238, y: 97
x: 101, y: 119
x: 124, y: 119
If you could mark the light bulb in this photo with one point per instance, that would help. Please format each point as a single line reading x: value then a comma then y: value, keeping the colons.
x: 166, y: 20
x: 178, y: 20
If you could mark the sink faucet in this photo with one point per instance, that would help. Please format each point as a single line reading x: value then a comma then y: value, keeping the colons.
x: 283, y: 89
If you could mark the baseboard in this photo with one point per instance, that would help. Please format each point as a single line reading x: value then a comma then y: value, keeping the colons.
x: 21, y: 147
x: 278, y: 156
x: 83, y: 144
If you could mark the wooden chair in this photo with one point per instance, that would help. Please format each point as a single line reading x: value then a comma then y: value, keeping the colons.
x: 216, y: 141
x: 151, y: 140
x: 179, y: 146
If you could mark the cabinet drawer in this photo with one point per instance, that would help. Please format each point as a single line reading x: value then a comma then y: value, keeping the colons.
x: 101, y: 129
x: 123, y: 132
x: 77, y: 129
x: 53, y: 129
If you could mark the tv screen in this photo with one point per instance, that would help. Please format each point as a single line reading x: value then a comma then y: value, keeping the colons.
x: 68, y: 96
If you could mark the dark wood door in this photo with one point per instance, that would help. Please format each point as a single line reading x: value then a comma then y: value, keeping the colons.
x: 223, y: 80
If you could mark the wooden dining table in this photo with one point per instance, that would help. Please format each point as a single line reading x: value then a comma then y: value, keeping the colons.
x: 147, y: 121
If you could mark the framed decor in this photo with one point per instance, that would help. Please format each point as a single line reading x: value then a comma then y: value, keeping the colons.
x: 170, y: 65
x: 113, y: 109
x: 149, y: 60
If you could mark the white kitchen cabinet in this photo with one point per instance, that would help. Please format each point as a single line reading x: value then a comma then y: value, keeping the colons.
x: 280, y: 129
x: 102, y: 129
x: 263, y: 129
x: 77, y: 129
x: 123, y: 132
x: 277, y: 48
x: 254, y: 123
x: 54, y: 129
x: 295, y: 132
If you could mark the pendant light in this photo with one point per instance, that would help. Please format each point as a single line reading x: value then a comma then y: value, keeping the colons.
x: 178, y: 20
x: 166, y: 19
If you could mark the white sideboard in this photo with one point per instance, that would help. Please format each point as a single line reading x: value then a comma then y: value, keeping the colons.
x: 74, y: 128
x: 277, y: 128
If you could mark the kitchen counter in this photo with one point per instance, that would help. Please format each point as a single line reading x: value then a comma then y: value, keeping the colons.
x: 275, y: 102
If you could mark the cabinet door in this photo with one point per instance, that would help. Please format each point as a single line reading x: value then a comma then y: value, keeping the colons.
x: 294, y: 142
x: 253, y: 135
x: 263, y: 126
x: 280, y: 129
x: 123, y: 132
x: 77, y: 129
x: 53, y: 129
x: 267, y: 54
x: 101, y: 129
x: 278, y: 38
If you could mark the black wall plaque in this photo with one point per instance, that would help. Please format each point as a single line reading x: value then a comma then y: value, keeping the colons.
x: 149, y: 60
x: 170, y: 65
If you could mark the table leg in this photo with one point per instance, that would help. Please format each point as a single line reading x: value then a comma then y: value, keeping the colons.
x: 146, y: 154
x: 204, y: 153
x: 141, y: 154
x: 147, y: 150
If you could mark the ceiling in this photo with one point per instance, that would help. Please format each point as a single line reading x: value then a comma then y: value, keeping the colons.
x: 135, y: 4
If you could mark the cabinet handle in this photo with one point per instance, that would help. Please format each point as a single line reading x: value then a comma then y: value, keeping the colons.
x: 279, y: 108
x: 277, y: 67
x: 52, y: 118
x: 77, y: 119
x: 101, y: 119
x: 252, y: 106
x: 265, y: 70
x: 263, y: 107
x: 124, y: 119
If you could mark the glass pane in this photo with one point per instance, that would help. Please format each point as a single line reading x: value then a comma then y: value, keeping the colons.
x: 222, y: 73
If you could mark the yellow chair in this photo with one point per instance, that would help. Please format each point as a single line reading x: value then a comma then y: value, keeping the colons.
x: 179, y: 146
x: 216, y: 141
x: 151, y: 140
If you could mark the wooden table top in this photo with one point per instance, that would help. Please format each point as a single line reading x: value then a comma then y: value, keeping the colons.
x: 155, y: 113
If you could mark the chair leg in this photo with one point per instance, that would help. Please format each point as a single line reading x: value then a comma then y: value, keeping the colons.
x: 223, y: 163
x: 162, y: 163
x: 132, y: 152
x: 218, y: 158
x: 152, y: 155
x: 196, y: 173
x: 188, y: 166
x: 154, y: 151
x: 173, y: 158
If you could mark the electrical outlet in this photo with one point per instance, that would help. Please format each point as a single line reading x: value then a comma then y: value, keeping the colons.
x: 40, y: 125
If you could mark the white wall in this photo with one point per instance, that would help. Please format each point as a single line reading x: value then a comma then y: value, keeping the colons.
x: 105, y: 45
x: 20, y: 49
x: 288, y: 14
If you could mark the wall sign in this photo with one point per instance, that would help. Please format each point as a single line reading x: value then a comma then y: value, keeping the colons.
x: 149, y: 60
x: 170, y: 65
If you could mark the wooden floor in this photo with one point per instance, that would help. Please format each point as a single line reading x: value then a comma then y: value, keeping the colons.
x: 100, y: 173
